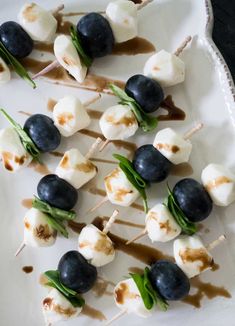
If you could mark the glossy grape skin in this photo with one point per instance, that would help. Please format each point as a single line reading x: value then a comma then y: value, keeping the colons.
x: 169, y: 280
x: 193, y: 199
x: 43, y: 132
x: 96, y: 35
x: 151, y: 164
x: 57, y: 192
x: 15, y: 39
x: 146, y: 91
x: 76, y: 273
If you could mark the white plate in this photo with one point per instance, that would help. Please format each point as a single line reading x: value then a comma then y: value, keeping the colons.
x: 207, y: 95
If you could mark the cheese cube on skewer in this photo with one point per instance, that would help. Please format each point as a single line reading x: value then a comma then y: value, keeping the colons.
x: 12, y: 152
x: 122, y: 17
x: 192, y: 256
x: 166, y: 68
x: 219, y: 183
x: 57, y: 308
x: 70, y: 116
x: 5, y: 74
x: 118, y: 122
x: 173, y: 146
x: 161, y: 225
x: 39, y: 23
x: 67, y: 56
x: 75, y: 168
x: 37, y: 231
x: 119, y: 189
x: 127, y: 298
x: 95, y: 246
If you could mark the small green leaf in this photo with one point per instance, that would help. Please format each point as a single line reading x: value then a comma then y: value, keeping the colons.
x: 135, y: 179
x: 181, y: 219
x: 27, y: 142
x: 147, y: 299
x: 72, y: 296
x: 147, y: 123
x: 16, y: 65
x: 57, y: 225
x: 86, y: 60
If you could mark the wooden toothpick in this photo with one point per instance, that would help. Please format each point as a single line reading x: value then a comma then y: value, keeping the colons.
x: 50, y: 67
x: 21, y: 247
x: 92, y: 100
x: 110, y: 221
x: 183, y: 46
x: 137, y: 237
x: 119, y: 315
x: 143, y: 4
x: 93, y: 148
x: 193, y: 130
x: 103, y: 201
x: 105, y: 143
x: 216, y: 242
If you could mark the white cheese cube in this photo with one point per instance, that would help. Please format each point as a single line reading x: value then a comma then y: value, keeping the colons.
x: 37, y: 231
x: 219, y: 183
x: 119, y: 189
x: 70, y: 116
x: 95, y: 246
x: 122, y: 17
x: 67, y: 56
x: 127, y: 297
x: 39, y: 23
x: 12, y: 152
x: 161, y: 225
x: 118, y: 122
x: 173, y: 146
x: 192, y: 256
x: 5, y: 74
x: 166, y: 68
x: 75, y: 168
x: 57, y: 308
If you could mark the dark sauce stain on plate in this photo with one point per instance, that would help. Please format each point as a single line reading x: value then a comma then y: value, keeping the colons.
x: 51, y: 104
x: 174, y: 112
x: 182, y: 170
x: 137, y: 45
x: 40, y: 168
x: 136, y: 270
x: 57, y: 154
x: 44, y: 47
x: 101, y: 287
x: 27, y: 203
x: 27, y: 269
x: 124, y: 222
x: 93, y: 313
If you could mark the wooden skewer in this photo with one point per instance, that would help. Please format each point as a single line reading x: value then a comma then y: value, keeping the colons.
x: 21, y: 247
x: 105, y: 143
x: 117, y: 316
x: 92, y: 100
x: 143, y: 4
x: 216, y: 242
x: 103, y: 201
x: 137, y: 237
x: 183, y: 46
x: 57, y: 10
x: 110, y: 221
x: 50, y: 67
x: 192, y: 131
x: 93, y: 148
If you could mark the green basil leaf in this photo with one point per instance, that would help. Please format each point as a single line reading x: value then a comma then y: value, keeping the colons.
x: 16, y: 65
x: 135, y: 179
x: 56, y: 213
x: 57, y: 225
x: 27, y: 142
x: 147, y: 299
x: 71, y: 295
x: 147, y: 123
x: 86, y: 60
x: 156, y: 297
x: 182, y: 220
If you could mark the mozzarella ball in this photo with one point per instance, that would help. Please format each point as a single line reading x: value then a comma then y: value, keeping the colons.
x: 67, y: 56
x: 57, y: 308
x: 39, y: 23
x: 127, y: 297
x: 95, y: 246
x: 173, y: 146
x: 70, y: 116
x: 5, y: 74
x: 219, y: 183
x: 119, y: 189
x: 122, y: 17
x: 192, y: 256
x: 37, y: 231
x: 166, y: 68
x: 12, y: 152
x: 118, y: 122
x: 161, y: 225
x: 75, y: 168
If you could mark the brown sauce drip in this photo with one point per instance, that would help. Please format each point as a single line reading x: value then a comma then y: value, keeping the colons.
x: 123, y: 222
x: 101, y: 160
x: 167, y: 147
x: 1, y: 68
x: 25, y: 113
x: 63, y: 27
x: 100, y: 83
x: 75, y: 226
x: 204, y: 290
x: 138, y: 207
x: 200, y: 254
x: 174, y: 113
x: 137, y: 45
x: 101, y: 287
x: 93, y: 313
x: 94, y: 114
x: 182, y: 170
x: 123, y: 293
x: 44, y: 47
x: 51, y: 104
x: 27, y: 269
x: 136, y: 270
x: 57, y: 154
x: 215, y: 267
x: 27, y: 203
x: 40, y: 168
